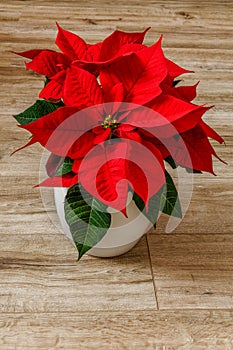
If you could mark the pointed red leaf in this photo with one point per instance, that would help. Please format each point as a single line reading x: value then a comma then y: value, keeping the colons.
x: 174, y: 70
x: 125, y: 131
x: 140, y: 73
x: 81, y: 89
x: 126, y: 127
x: 210, y: 132
x: 101, y: 172
x: 190, y: 120
x: 71, y: 44
x: 83, y: 144
x: 172, y: 108
x: 150, y: 162
x: 172, y: 111
x: 53, y: 90
x: 47, y: 63
x: 186, y: 93
x: 93, y: 52
x: 115, y: 94
x: 66, y: 180
x: 199, y: 151
x: 146, y: 167
x: 111, y: 183
x: 130, y: 48
x: 43, y: 128
x: 94, y: 66
x: 155, y: 145
x: 104, y: 172
x: 101, y: 134
x: 112, y: 98
x: 114, y: 42
x: 28, y: 54
x: 64, y: 131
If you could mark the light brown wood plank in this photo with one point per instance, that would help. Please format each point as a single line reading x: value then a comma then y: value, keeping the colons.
x: 47, y: 299
x: 193, y: 271
x: 196, y: 330
x: 40, y: 274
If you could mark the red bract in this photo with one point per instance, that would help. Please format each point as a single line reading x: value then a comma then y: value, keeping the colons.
x: 104, y: 170
x: 118, y: 89
x: 75, y: 51
x: 140, y: 73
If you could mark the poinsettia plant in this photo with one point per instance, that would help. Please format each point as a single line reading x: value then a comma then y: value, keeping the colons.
x: 101, y: 107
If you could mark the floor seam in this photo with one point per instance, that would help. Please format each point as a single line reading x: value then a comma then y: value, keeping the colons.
x: 152, y: 275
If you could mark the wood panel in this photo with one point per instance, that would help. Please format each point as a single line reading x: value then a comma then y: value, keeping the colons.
x: 47, y: 299
x: 184, y: 330
x: 193, y: 271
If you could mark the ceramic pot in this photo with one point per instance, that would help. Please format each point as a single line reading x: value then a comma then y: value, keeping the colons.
x: 122, y: 235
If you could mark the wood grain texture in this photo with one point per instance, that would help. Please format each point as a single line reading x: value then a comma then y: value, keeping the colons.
x: 172, y: 291
x: 120, y: 330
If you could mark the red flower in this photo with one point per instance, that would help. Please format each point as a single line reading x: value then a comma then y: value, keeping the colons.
x: 107, y: 121
x: 75, y: 51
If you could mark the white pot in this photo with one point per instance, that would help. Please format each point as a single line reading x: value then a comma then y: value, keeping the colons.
x: 122, y: 235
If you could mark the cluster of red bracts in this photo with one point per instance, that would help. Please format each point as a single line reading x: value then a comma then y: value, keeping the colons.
x: 126, y: 92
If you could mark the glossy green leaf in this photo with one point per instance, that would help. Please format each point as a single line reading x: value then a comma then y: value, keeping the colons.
x: 165, y: 200
x: 170, y: 203
x: 154, y: 206
x: 65, y: 167
x: 86, y: 217
x: 38, y: 110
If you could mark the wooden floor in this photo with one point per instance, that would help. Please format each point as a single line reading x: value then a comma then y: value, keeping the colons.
x: 173, y: 291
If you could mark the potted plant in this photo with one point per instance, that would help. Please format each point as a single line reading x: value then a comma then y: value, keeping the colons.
x: 112, y: 114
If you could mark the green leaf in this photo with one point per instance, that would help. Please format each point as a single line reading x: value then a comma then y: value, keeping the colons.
x: 171, y: 162
x: 170, y: 203
x: 165, y: 200
x: 38, y: 110
x: 86, y: 217
x: 65, y: 167
x: 154, y: 206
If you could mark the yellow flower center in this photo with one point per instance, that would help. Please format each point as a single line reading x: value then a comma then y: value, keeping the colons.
x: 109, y: 122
